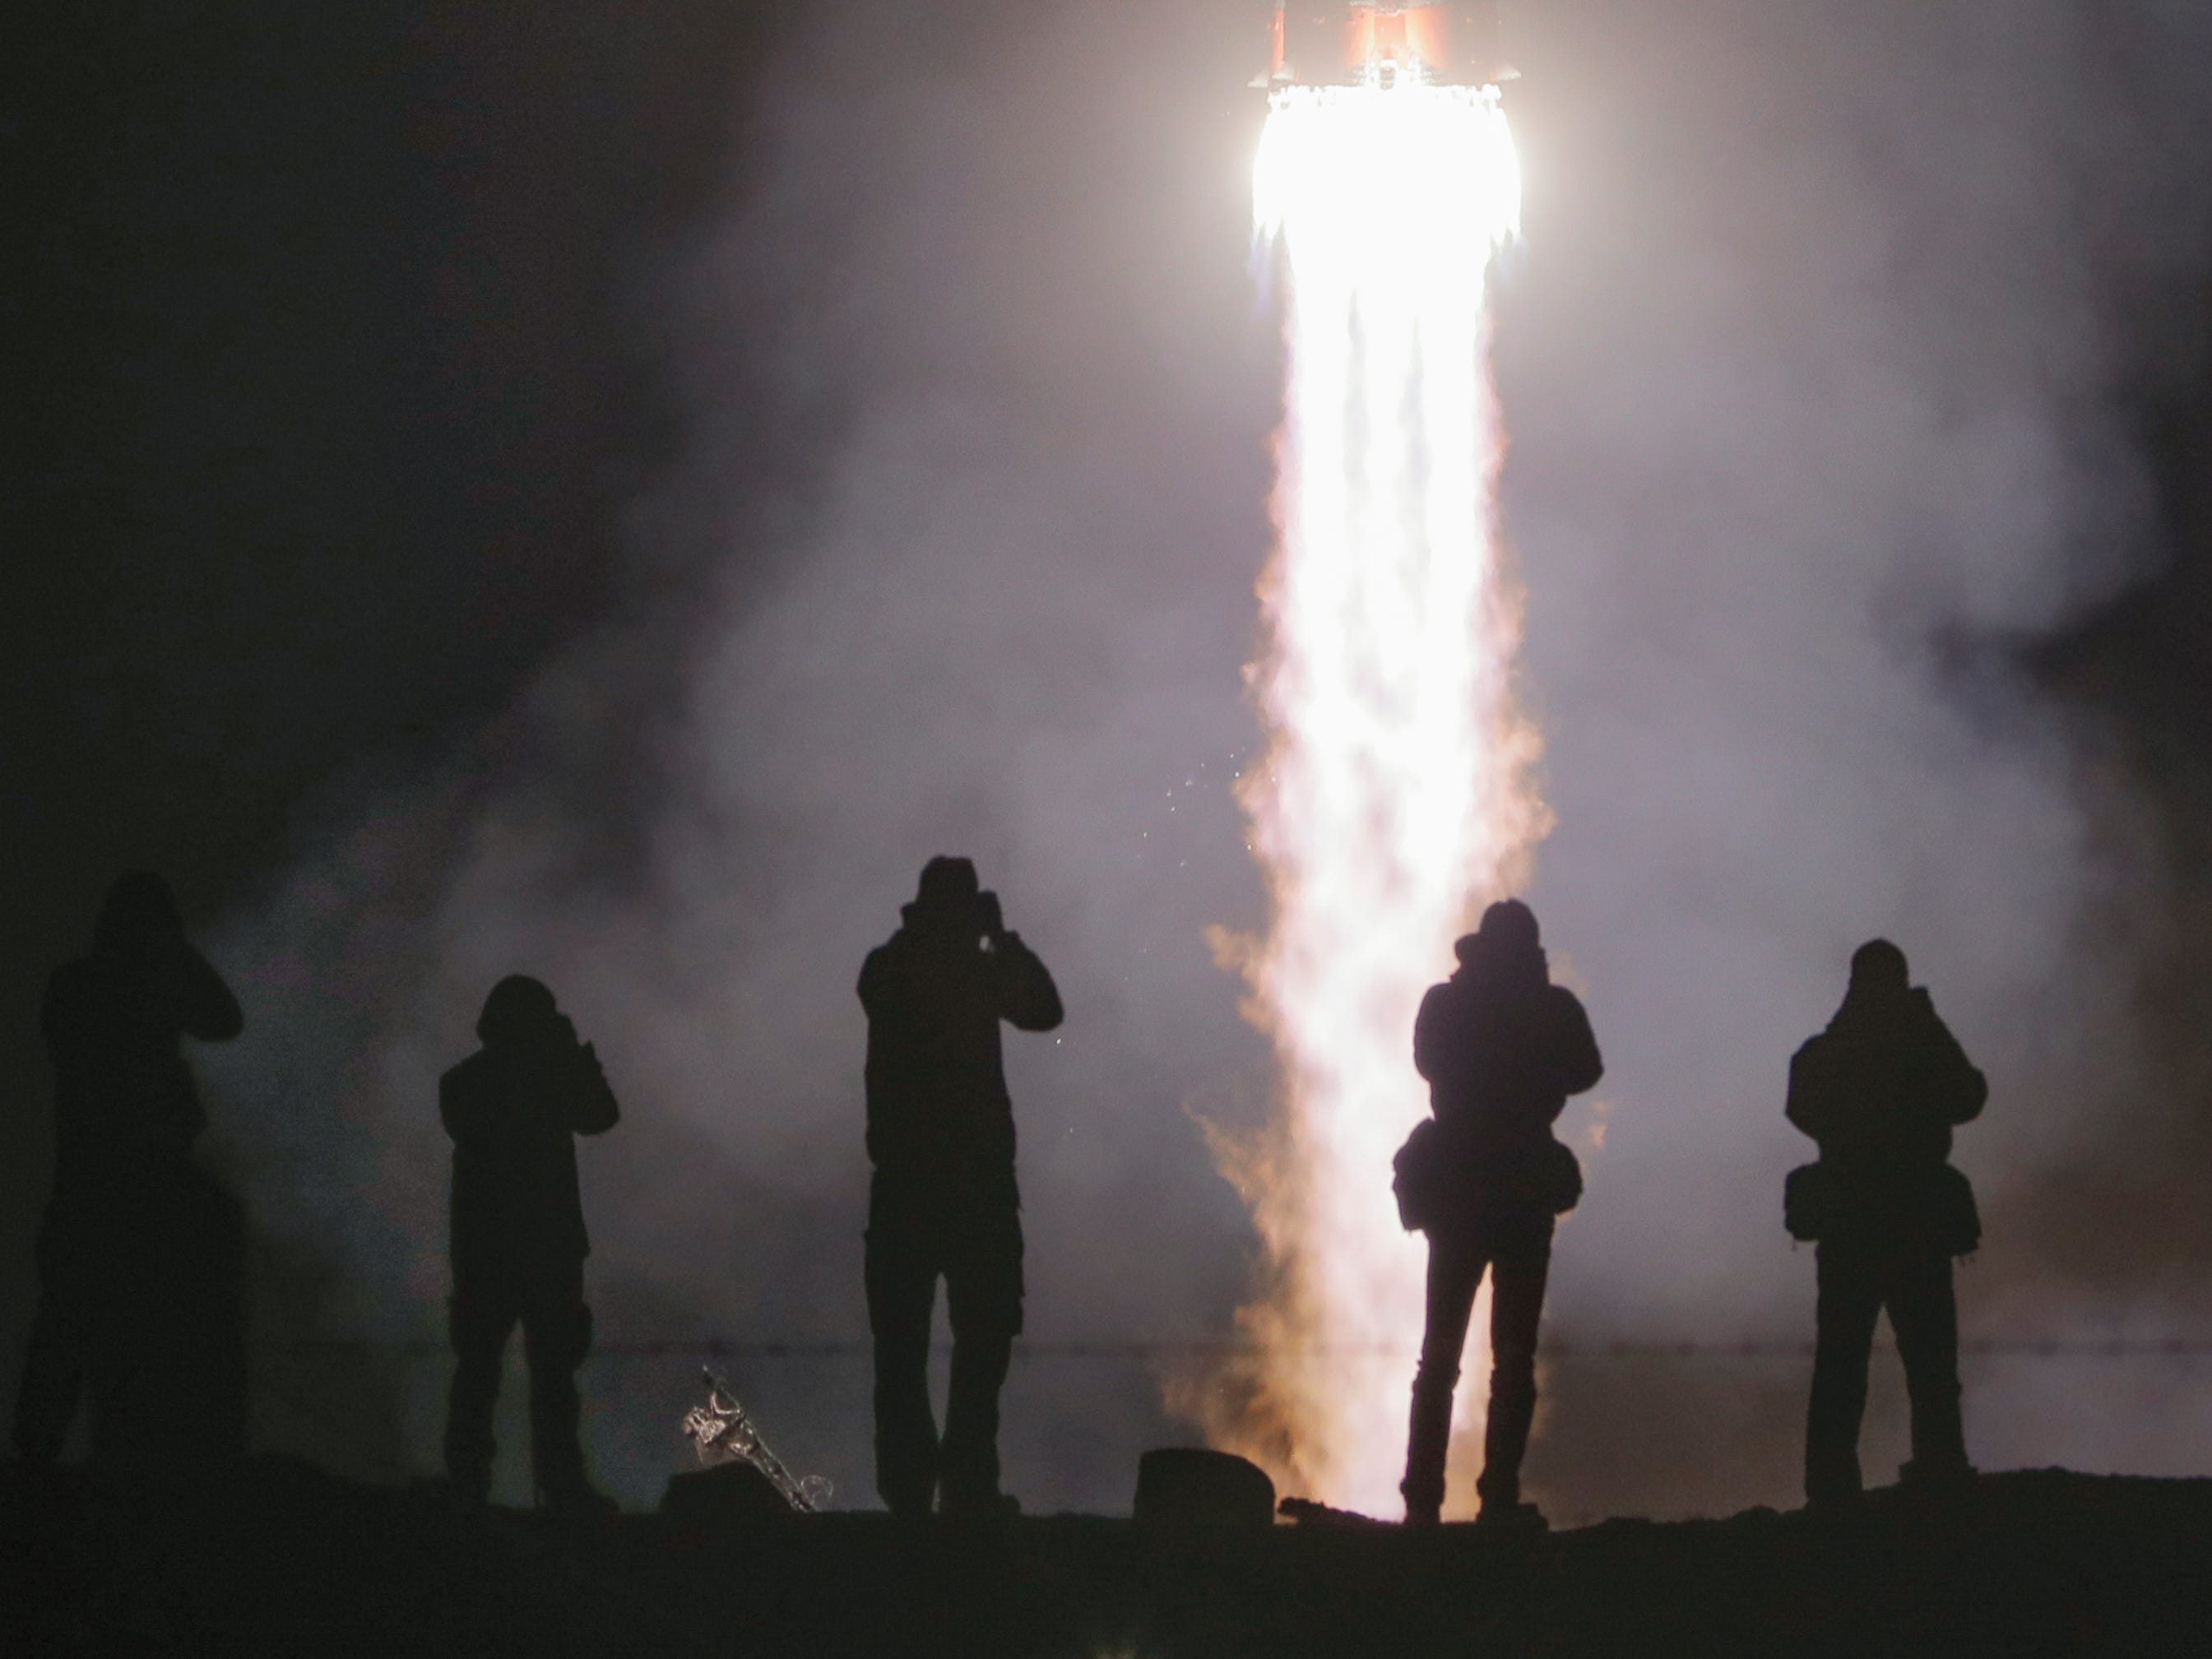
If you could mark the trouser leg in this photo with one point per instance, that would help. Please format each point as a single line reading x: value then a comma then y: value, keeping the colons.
x: 1516, y: 1311
x: 1455, y: 1270
x: 556, y: 1336
x: 128, y: 1307
x: 53, y: 1380
x: 1849, y: 1302
x: 1924, y: 1313
x: 55, y: 1363
x: 203, y: 1373
x: 902, y: 1286
x: 984, y: 1302
x: 230, y: 1381
x: 480, y: 1320
x: 969, y: 1461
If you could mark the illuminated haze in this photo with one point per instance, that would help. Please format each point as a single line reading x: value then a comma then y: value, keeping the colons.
x: 1814, y: 388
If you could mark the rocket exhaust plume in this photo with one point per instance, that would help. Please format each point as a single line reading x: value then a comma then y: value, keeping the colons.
x: 1392, y: 796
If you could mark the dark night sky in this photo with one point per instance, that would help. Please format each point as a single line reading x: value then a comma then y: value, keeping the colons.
x: 339, y: 370
x: 324, y: 396
x: 324, y: 402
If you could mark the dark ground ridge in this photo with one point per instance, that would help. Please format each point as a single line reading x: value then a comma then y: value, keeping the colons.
x: 284, y: 1558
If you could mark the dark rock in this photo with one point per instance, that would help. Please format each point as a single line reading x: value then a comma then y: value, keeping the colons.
x: 1181, y: 1486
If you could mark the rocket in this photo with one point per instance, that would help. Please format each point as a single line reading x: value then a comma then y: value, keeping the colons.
x: 1357, y: 44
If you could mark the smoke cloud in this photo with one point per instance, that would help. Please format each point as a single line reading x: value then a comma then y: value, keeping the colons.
x: 1817, y: 364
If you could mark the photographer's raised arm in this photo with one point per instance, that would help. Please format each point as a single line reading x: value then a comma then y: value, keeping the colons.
x: 1572, y: 1049
x: 591, y: 1101
x: 1022, y: 988
x: 1961, y: 1091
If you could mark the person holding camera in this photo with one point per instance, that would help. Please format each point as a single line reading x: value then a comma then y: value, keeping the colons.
x: 1502, y: 1048
x: 514, y: 1109
x: 141, y: 1258
x: 943, y: 1203
x: 1881, y: 1090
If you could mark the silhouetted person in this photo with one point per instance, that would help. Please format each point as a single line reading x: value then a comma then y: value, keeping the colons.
x: 943, y: 1203
x: 1881, y: 1090
x: 1502, y: 1048
x: 141, y: 1257
x: 513, y: 1108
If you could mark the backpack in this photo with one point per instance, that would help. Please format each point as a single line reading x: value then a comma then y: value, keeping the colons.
x: 1433, y: 1180
x: 1420, y: 1177
x: 1930, y: 1205
x: 1805, y: 1202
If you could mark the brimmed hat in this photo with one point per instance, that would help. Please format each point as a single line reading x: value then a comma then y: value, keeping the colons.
x: 1508, y: 932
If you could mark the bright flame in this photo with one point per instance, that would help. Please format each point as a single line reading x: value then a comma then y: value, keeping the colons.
x: 1393, y: 797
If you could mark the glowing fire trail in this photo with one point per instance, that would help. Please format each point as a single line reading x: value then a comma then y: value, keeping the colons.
x: 1393, y: 798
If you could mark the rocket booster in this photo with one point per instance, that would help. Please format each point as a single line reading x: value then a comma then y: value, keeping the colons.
x: 1357, y: 44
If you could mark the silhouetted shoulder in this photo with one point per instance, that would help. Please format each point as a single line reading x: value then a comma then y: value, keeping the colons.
x: 880, y: 971
x: 95, y: 1017
x: 69, y: 996
x: 1431, y: 1032
x: 1563, y: 1007
x: 465, y: 1074
x: 1810, y: 1101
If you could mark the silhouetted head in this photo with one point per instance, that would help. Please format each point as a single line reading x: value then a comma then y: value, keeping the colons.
x: 1510, y: 927
x: 949, y: 883
x: 946, y: 899
x: 140, y: 910
x: 519, y: 1009
x: 1508, y: 942
x: 1879, y: 967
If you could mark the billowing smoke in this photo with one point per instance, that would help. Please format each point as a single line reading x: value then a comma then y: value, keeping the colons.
x: 1817, y: 368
